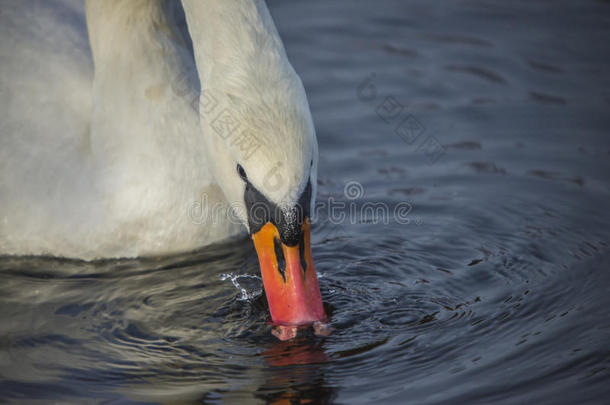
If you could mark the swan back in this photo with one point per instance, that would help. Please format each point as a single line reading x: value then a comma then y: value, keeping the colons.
x: 104, y: 148
x: 104, y: 161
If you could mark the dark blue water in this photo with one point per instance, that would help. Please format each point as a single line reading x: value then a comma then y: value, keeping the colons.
x: 469, y: 143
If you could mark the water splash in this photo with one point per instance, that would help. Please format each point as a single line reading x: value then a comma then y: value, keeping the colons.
x: 251, y: 286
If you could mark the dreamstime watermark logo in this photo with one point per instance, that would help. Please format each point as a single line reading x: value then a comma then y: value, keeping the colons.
x: 353, y: 190
x: 203, y: 212
x: 353, y: 210
x: 350, y: 208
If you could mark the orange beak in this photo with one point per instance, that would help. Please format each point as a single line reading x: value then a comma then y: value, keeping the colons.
x: 289, y: 277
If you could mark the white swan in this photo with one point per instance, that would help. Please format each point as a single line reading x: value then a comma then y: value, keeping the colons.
x: 105, y: 149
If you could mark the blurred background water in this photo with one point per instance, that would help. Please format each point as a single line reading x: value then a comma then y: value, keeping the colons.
x: 489, y: 121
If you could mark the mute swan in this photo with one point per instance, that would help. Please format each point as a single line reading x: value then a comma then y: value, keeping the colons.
x: 103, y: 152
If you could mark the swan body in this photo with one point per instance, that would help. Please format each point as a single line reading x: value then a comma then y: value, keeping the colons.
x: 107, y: 144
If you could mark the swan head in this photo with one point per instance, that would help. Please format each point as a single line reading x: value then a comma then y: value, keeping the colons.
x: 261, y: 140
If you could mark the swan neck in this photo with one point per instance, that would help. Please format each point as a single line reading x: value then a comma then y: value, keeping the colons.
x: 128, y: 30
x: 235, y: 42
x: 143, y: 79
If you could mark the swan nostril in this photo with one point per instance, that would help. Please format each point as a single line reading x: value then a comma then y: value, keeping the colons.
x: 302, y: 253
x: 279, y: 257
x: 242, y: 172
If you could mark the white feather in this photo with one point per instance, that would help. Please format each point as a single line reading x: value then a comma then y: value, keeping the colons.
x: 113, y: 163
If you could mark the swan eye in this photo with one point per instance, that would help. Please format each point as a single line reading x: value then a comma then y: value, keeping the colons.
x: 241, y: 172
